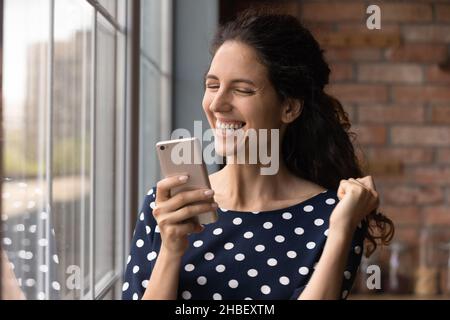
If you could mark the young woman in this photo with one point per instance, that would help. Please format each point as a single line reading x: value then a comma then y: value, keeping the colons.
x: 297, y: 234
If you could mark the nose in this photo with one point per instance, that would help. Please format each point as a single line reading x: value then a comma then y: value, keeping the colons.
x: 221, y: 102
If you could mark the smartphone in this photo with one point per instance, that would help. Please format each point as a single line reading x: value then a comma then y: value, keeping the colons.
x: 184, y: 157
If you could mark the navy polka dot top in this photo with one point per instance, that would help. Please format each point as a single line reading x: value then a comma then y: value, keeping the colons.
x: 244, y: 255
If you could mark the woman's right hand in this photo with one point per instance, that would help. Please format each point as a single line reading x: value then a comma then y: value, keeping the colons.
x: 173, y: 214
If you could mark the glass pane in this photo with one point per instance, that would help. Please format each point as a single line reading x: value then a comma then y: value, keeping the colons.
x: 149, y: 126
x: 110, y: 6
x: 120, y: 151
x: 72, y: 140
x: 105, y: 151
x: 150, y: 93
x: 122, y: 12
x: 47, y: 251
x: 26, y: 242
x: 151, y: 30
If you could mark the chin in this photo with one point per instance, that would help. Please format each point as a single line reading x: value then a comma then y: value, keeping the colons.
x: 228, y: 147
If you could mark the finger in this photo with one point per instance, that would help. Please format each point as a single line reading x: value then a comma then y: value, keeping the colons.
x: 190, y: 211
x: 359, y: 183
x: 343, y: 186
x: 187, y: 197
x: 369, y: 184
x: 163, y: 186
x: 185, y: 228
x: 368, y: 181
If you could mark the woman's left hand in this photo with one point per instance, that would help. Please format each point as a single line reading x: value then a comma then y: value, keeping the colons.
x: 357, y: 198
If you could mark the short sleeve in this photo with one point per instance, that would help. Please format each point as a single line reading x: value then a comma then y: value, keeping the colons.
x: 297, y: 293
x: 353, y: 262
x: 143, y: 254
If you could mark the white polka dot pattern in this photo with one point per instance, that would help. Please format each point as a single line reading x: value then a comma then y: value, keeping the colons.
x: 243, y: 255
x: 189, y: 267
x: 260, y: 248
x: 303, y: 271
x: 267, y: 225
x: 233, y: 283
x: 220, y: 268
x: 228, y: 246
x: 265, y: 289
x: 252, y: 272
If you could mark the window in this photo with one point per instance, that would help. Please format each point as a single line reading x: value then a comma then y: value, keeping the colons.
x: 155, y: 87
x: 64, y: 82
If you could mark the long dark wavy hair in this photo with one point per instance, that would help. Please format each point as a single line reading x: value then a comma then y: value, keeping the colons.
x: 318, y: 145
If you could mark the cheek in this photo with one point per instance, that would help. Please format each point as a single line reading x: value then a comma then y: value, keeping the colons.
x: 260, y: 113
x: 206, y: 102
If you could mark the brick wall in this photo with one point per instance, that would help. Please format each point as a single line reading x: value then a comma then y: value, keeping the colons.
x: 398, y: 99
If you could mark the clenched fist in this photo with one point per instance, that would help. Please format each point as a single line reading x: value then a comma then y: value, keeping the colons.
x: 357, y: 198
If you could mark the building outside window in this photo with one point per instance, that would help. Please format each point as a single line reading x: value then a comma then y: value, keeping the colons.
x: 66, y: 83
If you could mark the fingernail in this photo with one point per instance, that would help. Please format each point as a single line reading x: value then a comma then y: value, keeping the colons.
x: 214, y: 205
x: 183, y: 178
x: 209, y: 192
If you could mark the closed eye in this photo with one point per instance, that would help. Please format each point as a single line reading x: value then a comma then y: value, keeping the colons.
x: 245, y: 91
x: 212, y: 86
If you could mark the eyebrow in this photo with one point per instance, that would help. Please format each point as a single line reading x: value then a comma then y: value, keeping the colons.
x: 211, y: 76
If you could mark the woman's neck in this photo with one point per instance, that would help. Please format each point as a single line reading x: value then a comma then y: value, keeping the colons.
x: 242, y: 186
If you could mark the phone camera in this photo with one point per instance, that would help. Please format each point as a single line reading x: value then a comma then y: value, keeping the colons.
x: 162, y: 147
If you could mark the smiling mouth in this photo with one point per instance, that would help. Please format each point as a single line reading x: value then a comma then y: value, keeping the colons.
x: 229, y: 125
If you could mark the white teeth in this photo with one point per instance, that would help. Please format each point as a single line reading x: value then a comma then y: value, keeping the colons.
x: 233, y: 126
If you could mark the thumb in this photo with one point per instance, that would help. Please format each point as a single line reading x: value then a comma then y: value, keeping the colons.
x: 342, y: 188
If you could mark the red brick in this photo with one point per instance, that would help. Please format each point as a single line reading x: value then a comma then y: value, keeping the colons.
x: 413, y: 195
x: 359, y: 92
x: 341, y: 71
x: 420, y: 135
x: 435, y: 74
x: 390, y: 73
x: 426, y: 93
x: 417, y: 52
x: 362, y: 27
x: 370, y: 134
x: 361, y: 154
x: 408, y: 155
x: 441, y: 114
x: 431, y: 175
x: 405, y: 12
x: 399, y: 195
x: 427, y: 33
x: 320, y: 29
x: 430, y: 195
x: 437, y: 215
x: 392, y: 180
x: 391, y: 114
x: 333, y: 11
x: 443, y: 156
x: 442, y: 12
x: 403, y: 215
x: 352, y: 54
x: 408, y: 234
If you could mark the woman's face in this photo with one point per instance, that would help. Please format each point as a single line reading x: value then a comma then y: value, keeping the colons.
x: 238, y: 94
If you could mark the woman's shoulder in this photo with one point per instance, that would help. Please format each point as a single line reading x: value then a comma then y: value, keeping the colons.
x: 146, y: 212
x: 150, y: 198
x: 151, y: 192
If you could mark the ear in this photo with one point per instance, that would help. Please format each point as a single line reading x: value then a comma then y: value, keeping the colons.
x: 292, y: 108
